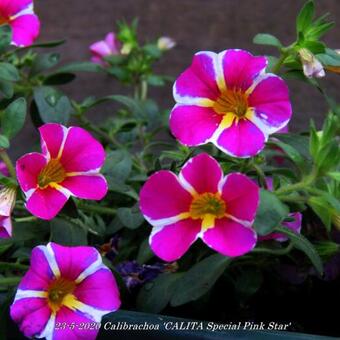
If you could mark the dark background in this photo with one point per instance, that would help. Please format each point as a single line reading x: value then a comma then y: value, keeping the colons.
x: 195, y: 25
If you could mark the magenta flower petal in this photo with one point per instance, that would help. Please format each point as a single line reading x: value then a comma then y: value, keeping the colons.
x: 32, y: 314
x: 81, y: 152
x: 203, y: 173
x: 172, y: 241
x: 65, y: 256
x: 46, y: 203
x: 241, y: 195
x: 67, y: 316
x: 5, y: 227
x: 100, y: 48
x: 241, y: 68
x: 193, y: 125
x: 163, y: 196
x: 105, y: 296
x: 52, y: 136
x: 232, y: 140
x: 9, y: 8
x: 270, y: 99
x: 40, y: 273
x: 92, y: 187
x: 113, y: 43
x: 199, y: 80
x: 230, y: 238
x: 25, y: 29
x: 28, y: 168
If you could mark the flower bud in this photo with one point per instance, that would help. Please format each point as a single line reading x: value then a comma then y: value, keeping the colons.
x: 166, y: 43
x: 310, y: 64
x: 7, y: 202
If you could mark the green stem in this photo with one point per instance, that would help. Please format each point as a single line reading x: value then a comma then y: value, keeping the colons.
x: 143, y: 90
x: 290, y: 188
x: 97, y: 209
x: 261, y: 175
x: 8, y: 265
x: 276, y: 68
x: 25, y: 219
x: 282, y: 251
x: 4, y: 156
x: 10, y: 281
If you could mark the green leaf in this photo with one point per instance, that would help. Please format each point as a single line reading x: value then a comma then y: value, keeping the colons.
x: 323, y: 209
x: 4, y: 142
x: 292, y: 153
x: 315, y: 47
x: 53, y: 105
x: 313, y: 141
x: 13, y: 118
x: 155, y: 80
x: 330, y: 58
x: 80, y: 67
x: 5, y: 37
x: 155, y: 295
x: 8, y: 72
x: 305, y: 17
x: 297, y: 149
x: 131, y: 104
x: 270, y: 213
x: 37, y: 231
x: 144, y: 253
x: 118, y: 165
x: 49, y: 44
x: 335, y: 175
x: 130, y: 217
x: 267, y: 39
x: 199, y: 279
x: 67, y: 233
x: 6, y: 89
x: 248, y: 282
x: 44, y: 62
x: 301, y: 243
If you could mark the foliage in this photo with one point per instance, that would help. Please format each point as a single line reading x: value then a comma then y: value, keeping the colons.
x: 137, y: 143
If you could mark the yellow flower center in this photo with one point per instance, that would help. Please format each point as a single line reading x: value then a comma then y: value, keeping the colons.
x: 53, y: 172
x: 207, y: 207
x: 232, y: 101
x: 58, y: 291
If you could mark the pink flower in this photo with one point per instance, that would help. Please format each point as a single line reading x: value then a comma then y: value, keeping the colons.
x: 109, y: 46
x: 7, y: 203
x: 20, y: 16
x: 64, y: 286
x: 69, y: 165
x: 294, y: 225
x: 228, y: 99
x: 200, y: 203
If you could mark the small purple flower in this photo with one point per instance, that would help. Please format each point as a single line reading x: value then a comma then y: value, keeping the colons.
x: 135, y: 274
x: 110, y: 249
